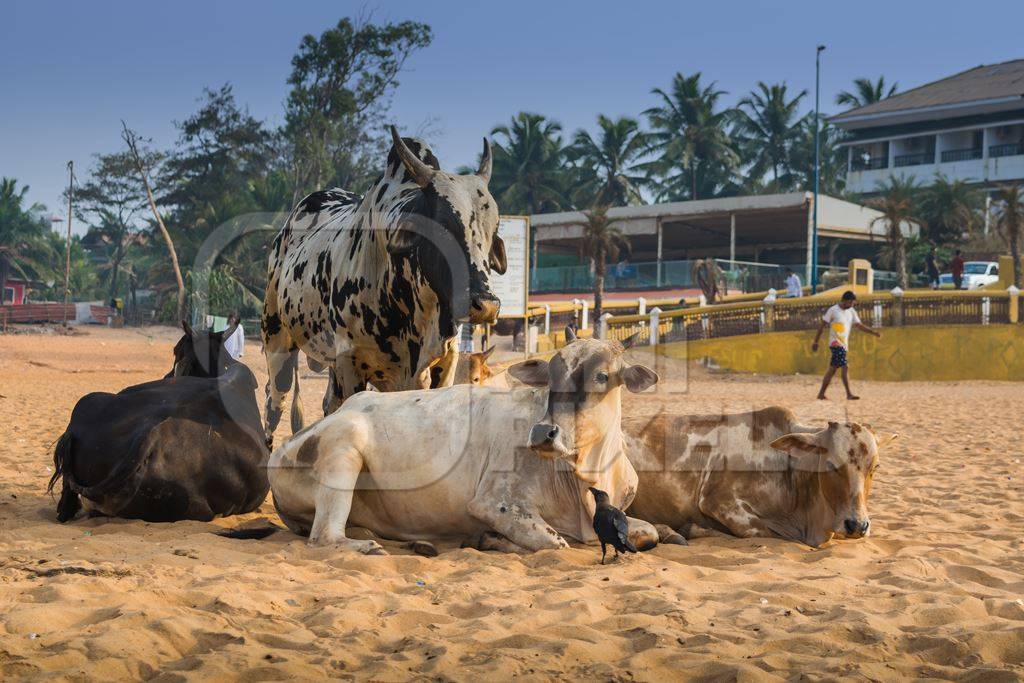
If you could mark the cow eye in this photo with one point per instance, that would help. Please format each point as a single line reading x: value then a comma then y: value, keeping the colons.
x: 601, y: 377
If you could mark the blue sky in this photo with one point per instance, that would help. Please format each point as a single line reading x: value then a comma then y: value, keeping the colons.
x: 69, y: 71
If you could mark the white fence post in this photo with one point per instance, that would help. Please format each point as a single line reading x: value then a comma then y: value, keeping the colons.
x: 702, y: 301
x: 655, y: 316
x: 547, y: 318
x: 585, y: 319
x: 602, y: 326
x: 986, y: 309
x: 641, y: 306
x: 876, y: 314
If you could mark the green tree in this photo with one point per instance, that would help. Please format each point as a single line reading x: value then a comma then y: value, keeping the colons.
x: 220, y: 149
x: 110, y: 201
x: 950, y: 208
x: 609, y: 164
x: 865, y: 92
x: 529, y: 174
x: 897, y: 201
x: 599, y: 242
x: 767, y: 128
x: 832, y: 169
x: 340, y: 85
x: 695, y: 155
x: 1010, y: 224
x: 24, y: 248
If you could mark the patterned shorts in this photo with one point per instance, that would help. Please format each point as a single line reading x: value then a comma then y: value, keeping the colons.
x: 838, y: 356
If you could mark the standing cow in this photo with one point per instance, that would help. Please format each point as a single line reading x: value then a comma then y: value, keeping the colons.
x: 374, y: 287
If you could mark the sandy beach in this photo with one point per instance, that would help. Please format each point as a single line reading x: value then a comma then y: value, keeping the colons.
x: 937, y: 590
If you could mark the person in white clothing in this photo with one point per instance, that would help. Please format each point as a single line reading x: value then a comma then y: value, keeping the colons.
x: 235, y: 344
x: 840, y: 319
x: 793, y: 286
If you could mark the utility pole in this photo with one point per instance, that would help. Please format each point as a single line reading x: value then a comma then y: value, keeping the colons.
x: 67, y: 250
x: 817, y: 165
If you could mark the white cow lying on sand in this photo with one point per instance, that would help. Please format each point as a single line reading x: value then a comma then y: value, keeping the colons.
x: 754, y: 474
x: 464, y: 461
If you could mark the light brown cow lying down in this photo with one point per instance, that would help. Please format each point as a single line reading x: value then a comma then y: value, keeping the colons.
x: 753, y: 474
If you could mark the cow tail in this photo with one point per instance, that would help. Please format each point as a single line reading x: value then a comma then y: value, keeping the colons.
x: 296, y: 412
x: 69, y: 503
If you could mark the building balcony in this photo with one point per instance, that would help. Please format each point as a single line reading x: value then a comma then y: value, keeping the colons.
x: 1010, y: 150
x: 968, y: 154
x: 870, y: 164
x: 914, y: 159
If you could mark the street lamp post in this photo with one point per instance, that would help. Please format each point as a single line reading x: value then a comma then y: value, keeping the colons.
x: 817, y: 165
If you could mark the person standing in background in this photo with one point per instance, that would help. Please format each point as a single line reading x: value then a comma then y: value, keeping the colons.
x: 933, y: 269
x: 235, y: 344
x: 793, y: 286
x: 956, y: 267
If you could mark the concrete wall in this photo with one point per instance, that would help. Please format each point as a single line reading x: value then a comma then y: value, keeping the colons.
x: 924, y: 353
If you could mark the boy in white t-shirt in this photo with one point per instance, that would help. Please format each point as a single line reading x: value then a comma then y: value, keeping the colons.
x: 840, y: 319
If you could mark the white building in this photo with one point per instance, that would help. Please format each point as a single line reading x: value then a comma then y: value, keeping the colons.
x: 969, y: 126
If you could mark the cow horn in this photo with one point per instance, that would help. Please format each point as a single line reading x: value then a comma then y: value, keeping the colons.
x: 484, y: 172
x: 188, y: 328
x: 420, y: 172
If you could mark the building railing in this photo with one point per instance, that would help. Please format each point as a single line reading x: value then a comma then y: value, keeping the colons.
x: 962, y: 154
x: 880, y: 310
x: 1006, y: 150
x: 914, y: 159
x: 871, y: 164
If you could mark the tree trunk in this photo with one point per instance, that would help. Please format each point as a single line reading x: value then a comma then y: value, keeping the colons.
x: 900, y: 249
x: 3, y: 278
x: 115, y: 268
x: 599, y: 270
x: 1015, y: 255
x: 130, y: 139
x: 693, y: 180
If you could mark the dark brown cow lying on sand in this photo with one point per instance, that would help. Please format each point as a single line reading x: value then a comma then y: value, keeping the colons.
x: 188, y: 446
x: 754, y: 474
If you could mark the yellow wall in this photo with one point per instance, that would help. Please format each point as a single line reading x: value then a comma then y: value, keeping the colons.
x: 948, y: 352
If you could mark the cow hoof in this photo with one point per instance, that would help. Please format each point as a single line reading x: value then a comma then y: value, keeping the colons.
x: 370, y: 548
x: 667, y: 534
x: 422, y: 548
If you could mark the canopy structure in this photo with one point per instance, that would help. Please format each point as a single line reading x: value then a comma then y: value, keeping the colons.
x: 773, y: 228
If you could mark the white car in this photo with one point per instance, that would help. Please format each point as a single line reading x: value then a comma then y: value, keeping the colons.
x: 977, y: 274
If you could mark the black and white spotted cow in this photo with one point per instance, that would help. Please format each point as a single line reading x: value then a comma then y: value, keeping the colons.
x: 374, y: 287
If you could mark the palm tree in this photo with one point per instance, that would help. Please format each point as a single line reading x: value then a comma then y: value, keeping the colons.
x: 950, y: 208
x: 609, y: 162
x: 600, y: 241
x: 866, y: 92
x: 528, y: 175
x: 897, y: 202
x: 1010, y: 224
x: 23, y: 244
x: 768, y: 126
x: 688, y: 131
x: 832, y: 170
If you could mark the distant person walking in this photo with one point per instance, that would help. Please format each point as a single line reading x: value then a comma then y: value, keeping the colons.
x: 933, y: 269
x: 956, y: 267
x: 235, y: 344
x: 840, y: 319
x: 793, y: 286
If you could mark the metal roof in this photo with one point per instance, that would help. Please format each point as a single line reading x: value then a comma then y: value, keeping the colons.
x: 985, y: 88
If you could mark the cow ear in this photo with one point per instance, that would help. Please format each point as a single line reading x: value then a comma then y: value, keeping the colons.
x: 797, y: 444
x: 638, y: 378
x: 533, y: 373
x: 229, y: 332
x: 497, y: 257
x: 885, y: 439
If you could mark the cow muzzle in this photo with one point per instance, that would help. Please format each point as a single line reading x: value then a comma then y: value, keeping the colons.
x: 856, y: 528
x: 483, y: 308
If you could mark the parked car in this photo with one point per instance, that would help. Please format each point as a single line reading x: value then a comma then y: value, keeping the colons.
x: 977, y: 274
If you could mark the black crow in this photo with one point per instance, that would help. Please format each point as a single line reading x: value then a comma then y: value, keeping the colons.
x: 611, y: 526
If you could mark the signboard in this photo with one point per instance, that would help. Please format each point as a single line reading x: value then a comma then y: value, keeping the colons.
x: 513, y: 288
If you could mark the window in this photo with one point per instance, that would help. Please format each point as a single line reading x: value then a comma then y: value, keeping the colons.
x: 8, y: 295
